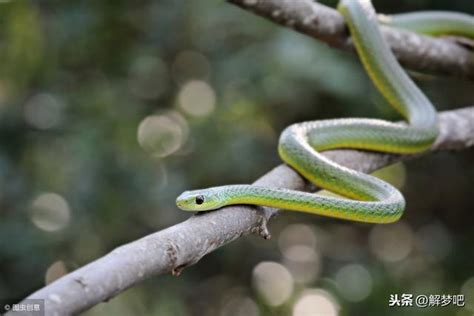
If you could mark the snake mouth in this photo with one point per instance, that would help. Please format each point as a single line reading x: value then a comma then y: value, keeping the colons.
x: 181, y: 203
x: 183, y: 207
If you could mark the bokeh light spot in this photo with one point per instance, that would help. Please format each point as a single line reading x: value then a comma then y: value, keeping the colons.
x: 354, y: 282
x: 273, y: 282
x: 298, y: 244
x: 239, y: 305
x: 392, y: 242
x: 197, y: 98
x: 303, y: 262
x: 296, y: 234
x: 434, y: 239
x: 43, y: 111
x: 315, y: 302
x: 55, y: 271
x: 50, y: 212
x: 162, y: 135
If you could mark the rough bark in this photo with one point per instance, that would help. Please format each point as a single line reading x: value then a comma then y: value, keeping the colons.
x: 184, y: 244
x: 414, y: 51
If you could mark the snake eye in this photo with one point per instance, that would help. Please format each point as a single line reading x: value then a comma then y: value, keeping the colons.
x: 199, y: 199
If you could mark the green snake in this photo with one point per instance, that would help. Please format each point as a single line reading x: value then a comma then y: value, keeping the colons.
x: 364, y: 198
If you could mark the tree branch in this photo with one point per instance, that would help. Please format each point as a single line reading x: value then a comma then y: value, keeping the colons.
x: 184, y: 244
x: 414, y: 51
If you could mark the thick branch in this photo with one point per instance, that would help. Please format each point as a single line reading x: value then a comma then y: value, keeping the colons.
x: 184, y: 244
x: 414, y: 51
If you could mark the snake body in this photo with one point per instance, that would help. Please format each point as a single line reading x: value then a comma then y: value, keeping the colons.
x: 434, y: 23
x: 366, y: 198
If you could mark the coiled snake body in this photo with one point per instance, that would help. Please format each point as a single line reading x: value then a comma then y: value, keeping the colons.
x: 369, y: 199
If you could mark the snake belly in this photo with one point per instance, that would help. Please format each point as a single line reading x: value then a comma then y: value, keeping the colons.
x: 365, y: 198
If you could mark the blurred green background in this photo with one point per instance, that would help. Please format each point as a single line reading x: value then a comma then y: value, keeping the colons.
x: 110, y: 109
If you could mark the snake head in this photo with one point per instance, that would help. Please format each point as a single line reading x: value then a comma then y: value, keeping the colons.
x: 199, y: 200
